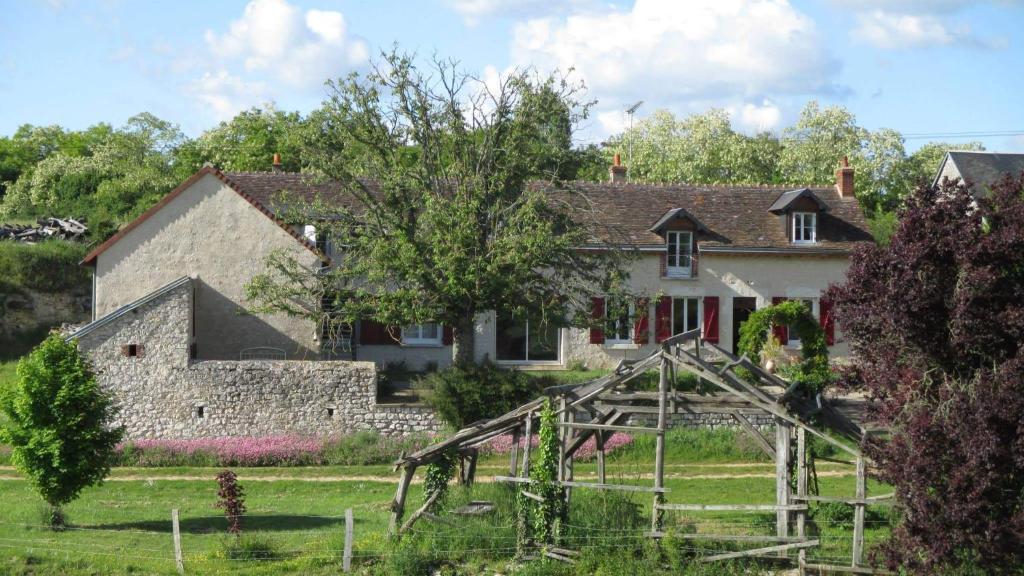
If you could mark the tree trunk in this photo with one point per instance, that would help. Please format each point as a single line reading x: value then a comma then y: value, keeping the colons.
x: 463, y: 336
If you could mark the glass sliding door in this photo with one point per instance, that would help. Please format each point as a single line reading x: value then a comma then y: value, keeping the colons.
x: 522, y: 340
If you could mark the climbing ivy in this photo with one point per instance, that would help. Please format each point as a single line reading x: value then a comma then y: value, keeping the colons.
x: 439, y: 474
x: 812, y: 373
x: 541, y: 521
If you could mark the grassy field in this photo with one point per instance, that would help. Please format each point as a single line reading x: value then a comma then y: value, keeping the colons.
x: 123, y: 527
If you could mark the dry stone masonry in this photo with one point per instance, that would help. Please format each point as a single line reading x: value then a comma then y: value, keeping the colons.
x: 142, y: 355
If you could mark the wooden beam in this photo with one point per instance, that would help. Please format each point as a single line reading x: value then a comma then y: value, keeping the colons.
x: 659, y: 442
x: 609, y: 427
x: 754, y: 433
x: 527, y: 445
x: 726, y: 537
x: 693, y: 335
x: 829, y: 569
x: 767, y: 407
x: 858, y: 515
x: 513, y: 462
x: 398, y: 505
x: 733, y: 508
x: 592, y: 485
x: 801, y: 488
x: 781, y: 549
x: 782, y: 445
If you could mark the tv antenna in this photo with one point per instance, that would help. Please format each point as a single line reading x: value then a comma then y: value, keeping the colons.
x: 629, y: 157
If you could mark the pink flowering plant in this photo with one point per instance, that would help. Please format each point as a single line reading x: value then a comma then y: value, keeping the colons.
x: 289, y: 450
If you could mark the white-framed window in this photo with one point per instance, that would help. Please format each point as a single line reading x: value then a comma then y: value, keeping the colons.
x: 794, y: 339
x: 618, y: 322
x: 805, y: 227
x: 679, y: 257
x: 685, y: 315
x: 428, y: 334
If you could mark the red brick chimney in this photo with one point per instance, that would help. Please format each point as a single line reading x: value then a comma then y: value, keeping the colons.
x: 844, y: 179
x: 276, y: 166
x: 617, y: 171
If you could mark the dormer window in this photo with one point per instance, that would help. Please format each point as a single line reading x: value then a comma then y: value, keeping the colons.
x: 805, y: 227
x: 679, y: 257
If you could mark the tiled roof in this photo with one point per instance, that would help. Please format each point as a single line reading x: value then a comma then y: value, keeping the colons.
x: 983, y: 169
x: 736, y: 216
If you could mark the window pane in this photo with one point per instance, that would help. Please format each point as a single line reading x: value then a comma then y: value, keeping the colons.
x: 511, y: 338
x: 543, y: 341
x: 678, y: 316
x: 673, y: 247
x: 429, y: 331
x: 691, y: 314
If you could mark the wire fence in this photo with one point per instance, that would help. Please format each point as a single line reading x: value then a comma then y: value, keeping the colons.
x: 144, y: 536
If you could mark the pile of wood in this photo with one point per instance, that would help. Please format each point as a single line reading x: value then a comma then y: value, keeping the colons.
x: 46, y: 228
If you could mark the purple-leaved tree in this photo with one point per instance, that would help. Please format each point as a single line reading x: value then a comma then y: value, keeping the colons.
x: 936, y: 322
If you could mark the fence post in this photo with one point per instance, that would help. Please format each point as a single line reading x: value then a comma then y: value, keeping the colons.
x: 178, y: 560
x: 858, y: 514
x: 346, y: 562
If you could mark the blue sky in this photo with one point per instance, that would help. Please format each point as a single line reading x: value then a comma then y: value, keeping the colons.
x: 919, y: 66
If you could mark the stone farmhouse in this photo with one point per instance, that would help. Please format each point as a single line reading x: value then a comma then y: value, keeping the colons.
x: 171, y: 335
x: 977, y: 169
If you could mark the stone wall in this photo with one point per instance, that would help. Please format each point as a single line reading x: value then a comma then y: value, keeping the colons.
x: 760, y: 420
x: 162, y: 393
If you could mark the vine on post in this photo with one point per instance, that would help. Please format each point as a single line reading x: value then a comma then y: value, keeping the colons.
x: 435, y: 482
x: 812, y: 373
x: 541, y: 522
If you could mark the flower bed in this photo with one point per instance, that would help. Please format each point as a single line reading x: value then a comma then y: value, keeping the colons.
x: 357, y: 449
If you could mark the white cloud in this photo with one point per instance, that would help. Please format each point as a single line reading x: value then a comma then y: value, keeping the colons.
x: 224, y: 95
x: 686, y: 56
x: 274, y: 50
x: 677, y: 51
x: 473, y: 11
x: 300, y: 49
x: 895, y: 31
x: 753, y: 118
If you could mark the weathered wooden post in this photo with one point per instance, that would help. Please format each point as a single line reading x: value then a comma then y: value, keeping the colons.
x: 599, y: 444
x: 801, y: 492
x: 562, y: 433
x: 570, y: 418
x: 526, y: 446
x: 782, y: 447
x: 398, y: 505
x: 346, y: 559
x: 858, y: 513
x: 179, y: 560
x: 514, y: 453
x: 659, y: 446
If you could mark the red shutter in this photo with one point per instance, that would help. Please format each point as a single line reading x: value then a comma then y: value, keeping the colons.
x: 641, y: 335
x: 448, y: 335
x: 710, y: 327
x: 663, y: 319
x: 375, y: 334
x: 828, y: 322
x: 597, y: 313
x: 781, y: 332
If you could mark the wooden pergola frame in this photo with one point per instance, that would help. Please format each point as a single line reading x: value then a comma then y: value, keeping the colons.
x: 605, y: 411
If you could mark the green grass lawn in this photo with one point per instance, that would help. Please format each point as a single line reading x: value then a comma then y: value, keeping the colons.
x: 123, y: 527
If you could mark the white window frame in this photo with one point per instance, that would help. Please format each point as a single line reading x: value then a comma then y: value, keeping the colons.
x: 678, y: 271
x: 800, y: 226
x: 413, y: 335
x: 793, y: 339
x: 700, y: 306
x: 610, y: 336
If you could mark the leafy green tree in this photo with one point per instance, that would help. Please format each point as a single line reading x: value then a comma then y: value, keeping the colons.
x: 124, y: 172
x: 249, y: 141
x: 59, y: 424
x: 446, y: 227
x: 924, y: 162
x: 699, y: 149
x: 813, y: 146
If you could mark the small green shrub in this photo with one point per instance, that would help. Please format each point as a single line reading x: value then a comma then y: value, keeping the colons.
x: 248, y: 547
x: 50, y: 266
x: 59, y: 422
x: 463, y: 394
x: 832, y: 515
